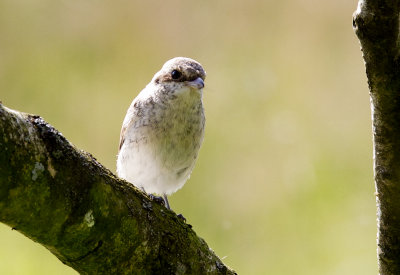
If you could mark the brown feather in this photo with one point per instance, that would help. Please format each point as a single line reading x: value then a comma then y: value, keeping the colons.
x: 122, y: 138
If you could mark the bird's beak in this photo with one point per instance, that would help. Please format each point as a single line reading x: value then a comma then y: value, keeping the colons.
x: 198, y: 83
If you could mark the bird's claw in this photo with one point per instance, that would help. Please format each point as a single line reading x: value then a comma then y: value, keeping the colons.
x: 157, y: 199
x: 180, y: 216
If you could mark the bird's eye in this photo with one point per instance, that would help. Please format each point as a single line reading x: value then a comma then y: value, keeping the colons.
x: 176, y: 74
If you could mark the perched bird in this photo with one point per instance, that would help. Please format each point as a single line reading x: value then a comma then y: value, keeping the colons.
x: 163, y: 129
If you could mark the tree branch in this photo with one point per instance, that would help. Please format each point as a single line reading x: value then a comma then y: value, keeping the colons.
x: 376, y: 24
x: 92, y: 221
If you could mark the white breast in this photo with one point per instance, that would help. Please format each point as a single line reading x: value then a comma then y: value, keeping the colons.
x: 161, y: 146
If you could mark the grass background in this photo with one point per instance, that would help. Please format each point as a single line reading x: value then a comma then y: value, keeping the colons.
x: 284, y: 181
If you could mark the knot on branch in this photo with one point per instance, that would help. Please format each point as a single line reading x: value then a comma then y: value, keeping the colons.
x: 377, y: 22
x: 358, y: 19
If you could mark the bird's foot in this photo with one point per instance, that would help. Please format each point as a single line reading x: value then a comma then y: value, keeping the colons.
x: 157, y: 199
x: 180, y: 216
x: 166, y: 201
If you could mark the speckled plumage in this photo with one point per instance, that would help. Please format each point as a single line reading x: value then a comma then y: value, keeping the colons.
x: 163, y: 129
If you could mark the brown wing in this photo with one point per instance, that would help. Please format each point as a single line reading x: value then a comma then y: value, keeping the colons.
x: 125, y: 126
x: 135, y: 112
x: 122, y: 138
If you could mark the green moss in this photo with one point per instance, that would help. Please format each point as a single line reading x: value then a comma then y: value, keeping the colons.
x: 101, y: 193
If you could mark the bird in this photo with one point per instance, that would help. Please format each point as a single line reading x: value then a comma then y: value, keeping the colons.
x: 163, y: 129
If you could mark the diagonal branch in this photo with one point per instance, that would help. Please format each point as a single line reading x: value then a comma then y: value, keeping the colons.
x: 376, y: 24
x: 94, y: 222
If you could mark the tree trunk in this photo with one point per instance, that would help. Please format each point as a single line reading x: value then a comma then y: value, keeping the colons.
x: 376, y: 24
x: 61, y: 197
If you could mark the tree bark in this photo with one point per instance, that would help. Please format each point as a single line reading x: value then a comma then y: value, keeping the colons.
x: 376, y: 24
x: 62, y: 198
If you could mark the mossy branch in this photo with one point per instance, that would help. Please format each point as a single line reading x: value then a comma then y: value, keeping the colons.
x: 62, y: 198
x: 376, y: 24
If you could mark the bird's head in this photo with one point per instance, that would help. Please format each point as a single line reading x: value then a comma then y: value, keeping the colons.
x: 180, y: 73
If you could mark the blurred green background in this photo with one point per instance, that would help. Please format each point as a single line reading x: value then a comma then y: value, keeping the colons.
x: 284, y: 181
